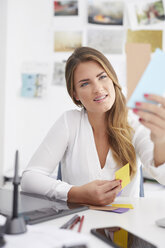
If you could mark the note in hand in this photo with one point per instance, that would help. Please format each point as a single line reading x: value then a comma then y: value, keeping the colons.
x: 124, y: 175
x: 152, y: 80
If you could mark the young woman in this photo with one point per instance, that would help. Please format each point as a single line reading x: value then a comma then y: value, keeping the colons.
x: 103, y: 136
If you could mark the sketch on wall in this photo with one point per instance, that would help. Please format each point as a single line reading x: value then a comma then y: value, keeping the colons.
x: 106, y: 41
x: 33, y: 85
x: 66, y: 8
x: 105, y: 12
x: 66, y: 41
x: 59, y: 74
x: 146, y: 14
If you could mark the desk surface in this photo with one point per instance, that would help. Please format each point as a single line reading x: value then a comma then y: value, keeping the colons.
x: 140, y: 220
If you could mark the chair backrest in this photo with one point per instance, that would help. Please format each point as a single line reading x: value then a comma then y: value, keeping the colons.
x: 59, y: 174
x: 141, y: 183
x: 141, y: 194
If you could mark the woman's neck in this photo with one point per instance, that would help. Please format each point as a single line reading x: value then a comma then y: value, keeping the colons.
x: 98, y: 122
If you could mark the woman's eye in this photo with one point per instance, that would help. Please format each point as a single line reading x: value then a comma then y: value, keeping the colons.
x: 84, y: 84
x: 102, y: 76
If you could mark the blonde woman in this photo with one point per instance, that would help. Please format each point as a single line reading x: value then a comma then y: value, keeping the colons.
x: 95, y: 141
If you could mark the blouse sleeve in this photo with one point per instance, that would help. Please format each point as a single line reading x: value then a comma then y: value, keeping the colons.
x: 37, y: 176
x: 144, y: 148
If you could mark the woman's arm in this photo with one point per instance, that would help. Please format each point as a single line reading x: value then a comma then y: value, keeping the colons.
x: 98, y: 192
x: 37, y: 176
x: 152, y: 116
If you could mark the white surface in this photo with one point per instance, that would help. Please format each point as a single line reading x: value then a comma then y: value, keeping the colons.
x: 46, y: 236
x: 140, y: 221
x: 3, y: 8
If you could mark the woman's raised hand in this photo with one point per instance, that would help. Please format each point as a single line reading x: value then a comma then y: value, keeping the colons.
x: 98, y: 192
x: 152, y: 116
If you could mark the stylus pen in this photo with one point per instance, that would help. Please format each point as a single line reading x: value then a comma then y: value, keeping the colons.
x: 69, y: 222
x: 75, y: 222
x: 81, y: 223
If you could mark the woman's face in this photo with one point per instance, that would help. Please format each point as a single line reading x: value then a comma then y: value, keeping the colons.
x: 93, y: 88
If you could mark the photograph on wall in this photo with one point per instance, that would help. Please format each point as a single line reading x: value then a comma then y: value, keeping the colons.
x: 59, y: 74
x: 106, y: 41
x: 105, y: 12
x: 67, y: 41
x: 66, y: 8
x: 33, y: 85
x: 146, y: 13
x: 153, y: 37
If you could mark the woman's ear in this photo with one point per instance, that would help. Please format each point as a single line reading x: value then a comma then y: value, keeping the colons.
x: 75, y: 96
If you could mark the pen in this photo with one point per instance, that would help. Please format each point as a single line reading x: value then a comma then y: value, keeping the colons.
x: 81, y: 223
x: 70, y: 222
x: 75, y: 222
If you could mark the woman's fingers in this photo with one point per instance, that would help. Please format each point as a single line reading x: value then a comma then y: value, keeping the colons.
x: 150, y: 108
x: 150, y: 118
x: 156, y: 98
x: 109, y: 185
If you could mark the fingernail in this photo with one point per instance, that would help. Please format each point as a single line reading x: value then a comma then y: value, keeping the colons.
x: 135, y: 110
x: 146, y: 95
x: 138, y: 103
x: 120, y: 181
x: 140, y: 119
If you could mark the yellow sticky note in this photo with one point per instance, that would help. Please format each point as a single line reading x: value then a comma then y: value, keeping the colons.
x: 121, y: 238
x: 124, y: 175
x: 122, y: 206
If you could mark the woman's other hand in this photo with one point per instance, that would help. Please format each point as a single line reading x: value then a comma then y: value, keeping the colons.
x: 98, y: 192
x: 152, y: 116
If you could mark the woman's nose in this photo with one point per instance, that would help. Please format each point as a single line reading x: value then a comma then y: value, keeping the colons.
x: 97, y: 87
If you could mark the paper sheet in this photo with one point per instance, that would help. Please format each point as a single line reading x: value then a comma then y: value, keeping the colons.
x: 138, y: 57
x: 124, y: 175
x: 48, y: 236
x: 153, y: 37
x: 152, y: 81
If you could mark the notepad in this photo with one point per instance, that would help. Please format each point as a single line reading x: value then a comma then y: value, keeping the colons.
x: 152, y: 80
x: 124, y: 175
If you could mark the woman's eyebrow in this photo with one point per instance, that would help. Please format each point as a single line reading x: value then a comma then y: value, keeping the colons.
x: 83, y: 80
x: 100, y: 74
x: 87, y: 79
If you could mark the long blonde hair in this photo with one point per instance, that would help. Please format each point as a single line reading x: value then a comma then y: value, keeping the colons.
x: 118, y: 130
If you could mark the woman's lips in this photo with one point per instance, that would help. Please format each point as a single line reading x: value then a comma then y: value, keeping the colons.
x: 100, y: 98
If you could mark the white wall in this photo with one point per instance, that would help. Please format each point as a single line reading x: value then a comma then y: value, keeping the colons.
x: 29, y: 33
x: 30, y: 27
x: 3, y: 12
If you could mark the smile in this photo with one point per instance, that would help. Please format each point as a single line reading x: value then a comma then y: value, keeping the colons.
x: 100, y: 98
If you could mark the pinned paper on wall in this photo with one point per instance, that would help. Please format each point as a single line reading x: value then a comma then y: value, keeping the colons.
x: 34, y: 77
x: 124, y: 175
x: 146, y: 14
x: 33, y: 85
x: 138, y: 57
x: 66, y: 8
x: 153, y: 37
x: 59, y: 74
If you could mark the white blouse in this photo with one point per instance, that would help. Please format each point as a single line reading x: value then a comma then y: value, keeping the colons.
x: 71, y: 141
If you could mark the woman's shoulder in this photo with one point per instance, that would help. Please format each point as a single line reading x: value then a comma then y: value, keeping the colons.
x: 73, y: 114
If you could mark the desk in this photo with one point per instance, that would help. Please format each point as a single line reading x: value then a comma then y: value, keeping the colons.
x: 140, y: 220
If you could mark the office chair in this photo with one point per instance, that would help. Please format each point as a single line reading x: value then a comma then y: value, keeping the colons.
x: 141, y: 192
